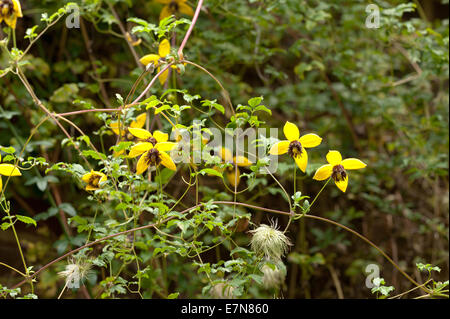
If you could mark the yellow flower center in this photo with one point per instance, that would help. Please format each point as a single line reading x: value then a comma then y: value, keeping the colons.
x: 339, y: 173
x: 295, y: 149
x: 153, y: 157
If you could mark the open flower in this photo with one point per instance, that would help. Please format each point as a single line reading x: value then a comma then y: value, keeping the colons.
x: 93, y: 180
x: 152, y: 151
x: 232, y: 173
x: 158, y: 59
x: 174, y: 7
x: 10, y: 10
x: 295, y: 145
x: 8, y: 170
x: 337, y: 169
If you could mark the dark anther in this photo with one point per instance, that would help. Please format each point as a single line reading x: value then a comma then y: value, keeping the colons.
x: 295, y: 149
x: 153, y: 157
x: 174, y: 6
x: 152, y: 140
x: 339, y: 173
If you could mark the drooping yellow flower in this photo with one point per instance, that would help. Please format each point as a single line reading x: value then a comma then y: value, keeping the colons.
x: 232, y: 173
x: 10, y: 10
x: 153, y: 155
x: 156, y: 59
x: 93, y: 180
x: 174, y: 7
x: 295, y: 145
x: 152, y: 150
x: 337, y: 169
x: 8, y: 170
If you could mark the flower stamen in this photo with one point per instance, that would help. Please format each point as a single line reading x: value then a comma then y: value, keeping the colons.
x: 295, y: 149
x: 339, y: 173
x: 153, y: 157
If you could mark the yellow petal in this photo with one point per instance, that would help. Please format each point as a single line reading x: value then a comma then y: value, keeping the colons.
x: 115, y: 128
x: 142, y: 164
x: 242, y: 161
x: 167, y: 161
x: 140, y: 121
x: 17, y: 8
x: 164, y: 48
x: 117, y: 154
x: 302, y: 160
x: 165, y: 12
x: 150, y: 58
x: 334, y: 158
x: 342, y: 185
x: 163, y: 77
x: 140, y: 148
x: 85, y: 178
x: 103, y: 179
x: 185, y: 9
x: 164, y: 1
x: 310, y: 140
x: 160, y: 136
x: 353, y: 163
x: 91, y: 188
x: 165, y: 146
x: 140, y: 133
x: 9, y: 170
x: 11, y: 20
x: 226, y: 155
x: 232, y: 178
x: 323, y: 172
x: 279, y: 148
x: 1, y: 185
x: 291, y: 131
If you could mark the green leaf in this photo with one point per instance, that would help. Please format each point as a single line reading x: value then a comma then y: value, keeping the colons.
x: 173, y: 295
x: 253, y: 102
x: 26, y: 220
x: 211, y: 171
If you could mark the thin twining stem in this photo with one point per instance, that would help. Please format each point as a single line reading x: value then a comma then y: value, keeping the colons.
x: 191, y: 27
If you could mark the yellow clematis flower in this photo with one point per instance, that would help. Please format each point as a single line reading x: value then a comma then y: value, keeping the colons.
x: 337, y: 169
x: 152, y: 155
x: 152, y: 150
x: 174, y: 7
x: 236, y: 161
x: 10, y: 10
x: 8, y: 170
x: 155, y: 59
x: 93, y: 180
x: 295, y: 145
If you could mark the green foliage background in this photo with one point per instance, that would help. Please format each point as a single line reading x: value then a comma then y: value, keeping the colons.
x: 380, y: 95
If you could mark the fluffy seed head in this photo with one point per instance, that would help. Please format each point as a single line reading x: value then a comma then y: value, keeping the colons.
x: 270, y: 242
x: 273, y: 278
x: 222, y: 290
x: 75, y: 272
